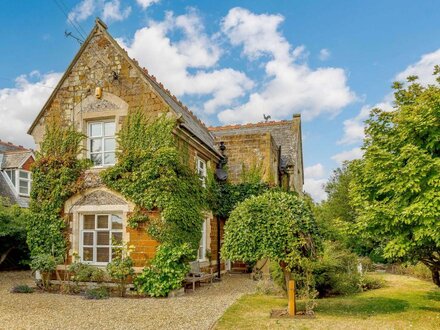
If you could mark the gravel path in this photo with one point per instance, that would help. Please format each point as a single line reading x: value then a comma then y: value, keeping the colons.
x: 198, y: 310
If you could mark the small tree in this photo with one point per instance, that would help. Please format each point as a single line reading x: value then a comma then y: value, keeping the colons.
x: 396, y: 187
x: 276, y: 225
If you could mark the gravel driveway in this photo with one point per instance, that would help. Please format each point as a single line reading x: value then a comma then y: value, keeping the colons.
x: 197, y: 310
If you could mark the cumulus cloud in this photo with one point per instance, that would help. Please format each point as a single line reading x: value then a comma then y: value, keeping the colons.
x: 146, y: 3
x: 112, y: 11
x: 292, y: 85
x: 187, y: 65
x: 20, y: 105
x: 109, y: 10
x: 354, y: 153
x: 324, y: 54
x: 314, y: 182
x: 423, y: 68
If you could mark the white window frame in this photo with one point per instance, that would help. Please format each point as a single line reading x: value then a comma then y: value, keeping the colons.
x: 95, y: 231
x: 103, y: 137
x: 27, y: 180
x: 201, y: 170
x: 203, y: 243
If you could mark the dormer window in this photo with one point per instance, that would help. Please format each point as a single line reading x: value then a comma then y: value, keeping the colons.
x: 102, y: 143
x: 23, y: 178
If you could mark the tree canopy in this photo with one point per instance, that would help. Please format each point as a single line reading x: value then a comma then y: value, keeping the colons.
x: 396, y: 185
x: 275, y: 225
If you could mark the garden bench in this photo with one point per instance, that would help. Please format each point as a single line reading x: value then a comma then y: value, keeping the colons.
x: 197, y: 276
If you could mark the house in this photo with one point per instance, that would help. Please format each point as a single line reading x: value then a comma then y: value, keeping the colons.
x: 15, y: 173
x: 99, y: 87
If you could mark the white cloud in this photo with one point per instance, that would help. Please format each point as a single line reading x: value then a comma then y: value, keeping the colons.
x: 109, y: 10
x: 292, y: 86
x: 146, y: 3
x: 112, y: 11
x: 347, y: 155
x: 20, y: 105
x: 324, y: 54
x: 172, y: 60
x: 423, y: 68
x: 314, y: 182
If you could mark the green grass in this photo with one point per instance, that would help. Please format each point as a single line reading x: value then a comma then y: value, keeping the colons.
x: 405, y: 303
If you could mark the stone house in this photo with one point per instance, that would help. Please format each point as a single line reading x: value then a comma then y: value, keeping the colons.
x: 15, y: 174
x: 95, y: 94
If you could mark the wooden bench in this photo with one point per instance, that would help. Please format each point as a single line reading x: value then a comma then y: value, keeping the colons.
x: 197, y: 276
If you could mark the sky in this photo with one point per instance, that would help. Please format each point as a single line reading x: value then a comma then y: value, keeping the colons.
x: 233, y: 61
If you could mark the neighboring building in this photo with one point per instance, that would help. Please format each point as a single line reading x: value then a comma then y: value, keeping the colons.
x: 95, y: 93
x: 15, y: 175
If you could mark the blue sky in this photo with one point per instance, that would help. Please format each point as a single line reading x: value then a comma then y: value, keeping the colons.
x: 232, y: 61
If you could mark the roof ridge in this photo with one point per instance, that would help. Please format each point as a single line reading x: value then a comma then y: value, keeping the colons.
x: 247, y: 125
x: 10, y: 144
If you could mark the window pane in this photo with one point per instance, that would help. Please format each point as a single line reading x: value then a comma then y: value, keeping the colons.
x: 103, y: 221
x: 87, y: 254
x: 116, y: 222
x: 87, y: 238
x: 109, y: 129
x: 11, y: 175
x: 103, y: 238
x: 23, y: 188
x: 24, y: 175
x: 102, y: 254
x: 95, y: 145
x: 96, y: 129
x: 116, y: 238
x: 109, y: 158
x: 89, y: 221
x: 109, y: 145
x: 96, y: 159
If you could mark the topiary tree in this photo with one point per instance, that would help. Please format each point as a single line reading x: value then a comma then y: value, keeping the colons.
x: 275, y: 225
x: 396, y: 186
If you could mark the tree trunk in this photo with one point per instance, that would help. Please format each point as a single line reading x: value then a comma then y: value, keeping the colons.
x: 5, y: 255
x: 436, y: 276
x: 287, y: 274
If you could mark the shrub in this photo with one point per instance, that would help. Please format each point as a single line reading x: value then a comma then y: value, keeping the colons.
x: 371, y: 283
x: 97, y: 293
x: 418, y: 270
x: 120, y: 268
x: 166, y: 272
x: 336, y: 271
x: 46, y: 264
x: 22, y: 288
x: 83, y: 272
x: 98, y: 275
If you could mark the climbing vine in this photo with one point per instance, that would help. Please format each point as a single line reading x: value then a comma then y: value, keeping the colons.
x: 57, y: 174
x: 152, y: 173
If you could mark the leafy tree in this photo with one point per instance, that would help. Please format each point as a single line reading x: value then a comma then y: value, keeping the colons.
x: 275, y: 225
x: 396, y: 186
x: 13, y: 232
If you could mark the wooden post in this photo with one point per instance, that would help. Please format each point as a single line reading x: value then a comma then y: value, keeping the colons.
x: 292, y: 303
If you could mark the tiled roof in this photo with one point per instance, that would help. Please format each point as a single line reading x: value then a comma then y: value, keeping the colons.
x: 8, y: 146
x: 13, y: 159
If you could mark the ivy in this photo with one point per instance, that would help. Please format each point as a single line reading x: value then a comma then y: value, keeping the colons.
x: 150, y: 172
x: 57, y: 174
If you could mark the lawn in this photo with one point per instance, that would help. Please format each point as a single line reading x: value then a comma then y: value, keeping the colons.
x: 405, y: 303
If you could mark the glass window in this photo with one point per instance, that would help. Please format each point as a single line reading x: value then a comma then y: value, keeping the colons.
x: 24, y: 182
x: 11, y: 176
x: 201, y: 170
x: 100, y: 234
x: 102, y: 143
x: 201, y: 253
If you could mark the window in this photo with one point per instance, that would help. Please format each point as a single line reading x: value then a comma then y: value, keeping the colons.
x: 102, y: 143
x: 201, y: 253
x: 11, y: 175
x: 201, y: 170
x: 100, y: 234
x: 24, y: 183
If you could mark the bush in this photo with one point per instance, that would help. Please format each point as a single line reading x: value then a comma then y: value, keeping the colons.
x: 166, y: 271
x: 82, y: 272
x: 371, y: 283
x: 418, y: 270
x: 98, y: 293
x: 46, y: 264
x: 22, y: 288
x: 336, y: 271
x: 120, y: 268
x: 269, y: 287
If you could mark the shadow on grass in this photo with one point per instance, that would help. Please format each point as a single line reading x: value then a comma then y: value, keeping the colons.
x: 362, y: 307
x: 433, y: 295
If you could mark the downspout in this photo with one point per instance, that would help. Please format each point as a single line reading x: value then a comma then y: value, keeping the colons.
x: 221, y: 176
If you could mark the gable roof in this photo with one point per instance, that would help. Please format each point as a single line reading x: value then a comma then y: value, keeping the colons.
x: 189, y: 121
x: 14, y: 159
